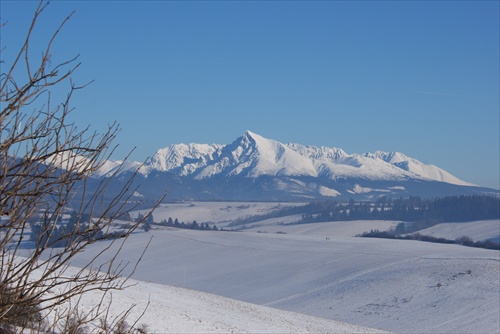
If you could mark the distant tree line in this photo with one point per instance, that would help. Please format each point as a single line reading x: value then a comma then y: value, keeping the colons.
x: 77, y: 228
x: 422, y: 212
x: 65, y: 233
x: 465, y: 241
x: 190, y: 226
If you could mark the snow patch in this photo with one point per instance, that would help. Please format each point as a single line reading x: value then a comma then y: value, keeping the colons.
x: 328, y: 191
x: 361, y: 190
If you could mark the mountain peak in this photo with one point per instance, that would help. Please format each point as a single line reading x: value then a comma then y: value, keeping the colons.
x: 253, y: 155
x: 249, y: 133
x: 252, y: 137
x: 390, y: 157
x: 293, y: 169
x: 248, y: 138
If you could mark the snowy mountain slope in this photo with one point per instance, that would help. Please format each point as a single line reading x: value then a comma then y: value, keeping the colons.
x: 184, y: 159
x: 250, y: 156
x: 256, y: 168
x: 111, y: 167
x: 412, y: 165
x: 395, y: 285
x: 253, y: 155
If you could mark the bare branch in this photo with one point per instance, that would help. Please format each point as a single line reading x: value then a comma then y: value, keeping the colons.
x: 46, y: 169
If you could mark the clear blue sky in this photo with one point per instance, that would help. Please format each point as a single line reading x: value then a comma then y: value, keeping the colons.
x: 418, y: 77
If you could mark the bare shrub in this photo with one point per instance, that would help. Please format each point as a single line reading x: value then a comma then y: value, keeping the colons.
x: 46, y: 163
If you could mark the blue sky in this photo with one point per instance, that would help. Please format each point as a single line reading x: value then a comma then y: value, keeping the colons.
x: 418, y: 77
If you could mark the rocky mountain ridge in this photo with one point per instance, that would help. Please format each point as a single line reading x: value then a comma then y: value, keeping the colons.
x: 256, y: 168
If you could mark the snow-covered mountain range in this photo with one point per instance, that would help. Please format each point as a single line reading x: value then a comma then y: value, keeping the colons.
x: 257, y: 168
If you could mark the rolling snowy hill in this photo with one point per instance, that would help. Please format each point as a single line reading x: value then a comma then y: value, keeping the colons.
x: 169, y: 309
x: 395, y: 285
x: 477, y: 230
x: 213, y: 281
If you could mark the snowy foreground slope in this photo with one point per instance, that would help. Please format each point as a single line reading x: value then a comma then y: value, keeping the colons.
x: 178, y: 310
x: 394, y: 285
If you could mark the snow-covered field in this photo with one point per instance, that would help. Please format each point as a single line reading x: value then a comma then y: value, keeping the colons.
x: 329, y: 229
x: 169, y: 309
x: 394, y: 285
x: 478, y: 230
x: 220, y: 213
x: 276, y: 278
